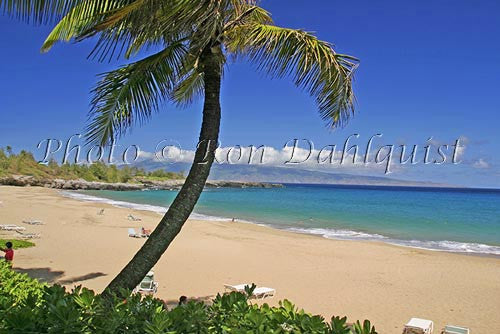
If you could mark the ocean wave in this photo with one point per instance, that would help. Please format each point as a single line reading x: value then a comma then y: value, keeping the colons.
x: 441, y: 245
x: 338, y: 234
x: 120, y: 204
x: 450, y: 246
x: 135, y: 206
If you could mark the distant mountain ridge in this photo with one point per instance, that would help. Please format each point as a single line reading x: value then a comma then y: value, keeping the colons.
x: 259, y: 173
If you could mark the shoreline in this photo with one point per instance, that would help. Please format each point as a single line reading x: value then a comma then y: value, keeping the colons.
x: 384, y: 283
x: 321, y: 232
x: 143, y: 184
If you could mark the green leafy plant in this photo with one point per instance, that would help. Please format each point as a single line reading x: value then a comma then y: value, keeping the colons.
x: 365, y: 328
x: 17, y: 243
x: 338, y: 325
x: 28, y: 306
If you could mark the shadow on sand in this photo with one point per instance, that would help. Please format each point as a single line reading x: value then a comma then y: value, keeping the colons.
x: 53, y: 276
x: 82, y: 278
x: 173, y: 303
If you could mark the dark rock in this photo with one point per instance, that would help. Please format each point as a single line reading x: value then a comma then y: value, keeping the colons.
x: 25, y: 181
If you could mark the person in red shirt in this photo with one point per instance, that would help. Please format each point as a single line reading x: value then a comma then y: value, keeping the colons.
x: 9, y: 252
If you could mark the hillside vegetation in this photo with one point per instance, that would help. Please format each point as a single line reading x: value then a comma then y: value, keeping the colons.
x: 25, y: 164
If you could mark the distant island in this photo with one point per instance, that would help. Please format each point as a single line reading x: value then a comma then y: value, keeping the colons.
x: 287, y: 175
x: 23, y: 170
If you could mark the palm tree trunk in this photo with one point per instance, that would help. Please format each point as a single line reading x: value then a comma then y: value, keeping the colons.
x: 183, y: 205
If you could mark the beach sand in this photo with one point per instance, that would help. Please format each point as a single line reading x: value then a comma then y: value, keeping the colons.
x: 362, y: 280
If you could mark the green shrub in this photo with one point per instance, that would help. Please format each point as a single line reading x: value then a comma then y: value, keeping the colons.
x: 25, y: 164
x: 27, y: 306
x: 18, y: 289
x: 17, y: 243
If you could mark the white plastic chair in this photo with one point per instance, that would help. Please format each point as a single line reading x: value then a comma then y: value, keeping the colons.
x: 33, y: 222
x: 449, y: 329
x: 29, y: 235
x: 132, y: 233
x: 236, y: 288
x: 148, y: 284
x: 263, y: 292
x: 134, y: 219
x: 12, y: 228
x: 258, y: 292
x: 419, y: 326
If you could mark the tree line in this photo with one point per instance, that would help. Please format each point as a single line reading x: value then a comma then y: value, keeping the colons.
x: 24, y: 163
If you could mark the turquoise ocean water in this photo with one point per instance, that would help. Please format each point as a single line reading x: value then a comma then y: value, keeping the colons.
x: 457, y: 220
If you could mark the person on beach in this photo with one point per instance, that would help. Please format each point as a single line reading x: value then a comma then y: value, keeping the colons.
x: 145, y: 232
x: 183, y: 300
x: 9, y: 252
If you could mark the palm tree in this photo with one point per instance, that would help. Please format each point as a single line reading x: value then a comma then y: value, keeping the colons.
x: 191, y: 41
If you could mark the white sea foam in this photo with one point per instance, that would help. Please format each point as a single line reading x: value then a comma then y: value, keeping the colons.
x: 339, y: 234
x: 449, y: 246
x: 134, y: 206
x: 442, y: 245
x: 120, y: 204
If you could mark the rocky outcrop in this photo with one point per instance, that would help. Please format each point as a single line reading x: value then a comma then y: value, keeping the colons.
x: 177, y: 184
x: 26, y: 181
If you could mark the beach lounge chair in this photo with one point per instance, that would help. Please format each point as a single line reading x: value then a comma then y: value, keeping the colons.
x: 418, y: 326
x: 134, y: 219
x: 258, y: 292
x: 29, y: 235
x: 101, y: 212
x: 236, y: 288
x: 32, y: 222
x: 133, y: 234
x: 12, y: 228
x: 148, y: 284
x: 263, y: 292
x: 449, y: 329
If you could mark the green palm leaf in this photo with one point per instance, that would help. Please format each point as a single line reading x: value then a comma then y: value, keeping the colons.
x: 190, y: 88
x: 246, y: 14
x: 121, y: 23
x: 166, y: 21
x: 128, y: 26
x: 80, y: 19
x: 38, y: 11
x: 130, y: 94
x: 313, y: 65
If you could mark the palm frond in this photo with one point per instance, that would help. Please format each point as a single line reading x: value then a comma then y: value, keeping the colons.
x: 191, y: 87
x: 38, y: 11
x: 244, y: 14
x: 146, y: 22
x: 313, y: 64
x: 81, y: 18
x: 132, y: 93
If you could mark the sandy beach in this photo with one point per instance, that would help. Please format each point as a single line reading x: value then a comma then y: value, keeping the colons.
x: 362, y: 280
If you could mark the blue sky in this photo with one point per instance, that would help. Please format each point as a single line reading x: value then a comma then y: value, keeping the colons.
x: 428, y: 69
